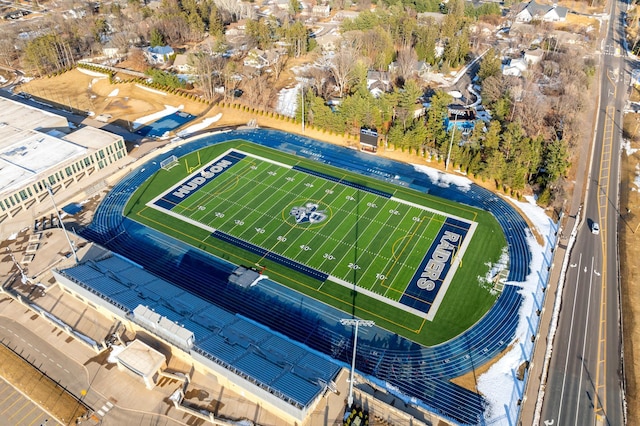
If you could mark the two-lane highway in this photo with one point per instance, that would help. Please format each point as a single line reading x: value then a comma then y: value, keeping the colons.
x: 585, y: 382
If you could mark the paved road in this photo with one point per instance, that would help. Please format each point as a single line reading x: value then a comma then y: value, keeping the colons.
x: 585, y: 383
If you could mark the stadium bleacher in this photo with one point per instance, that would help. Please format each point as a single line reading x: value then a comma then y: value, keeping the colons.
x: 237, y: 343
x: 420, y: 373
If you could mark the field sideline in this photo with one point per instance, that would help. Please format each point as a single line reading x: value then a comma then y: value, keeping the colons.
x: 349, y: 228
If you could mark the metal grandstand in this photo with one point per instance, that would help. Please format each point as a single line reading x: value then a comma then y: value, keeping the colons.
x: 272, y: 362
x: 419, y: 375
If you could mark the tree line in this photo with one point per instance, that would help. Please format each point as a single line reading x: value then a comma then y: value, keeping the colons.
x: 527, y: 142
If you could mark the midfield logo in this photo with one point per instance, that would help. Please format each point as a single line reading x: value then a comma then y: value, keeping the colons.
x: 308, y: 213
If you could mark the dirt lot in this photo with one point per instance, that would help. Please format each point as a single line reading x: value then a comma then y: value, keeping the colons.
x: 81, y: 91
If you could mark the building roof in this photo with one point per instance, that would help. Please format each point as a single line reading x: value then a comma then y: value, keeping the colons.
x: 181, y: 60
x: 28, y: 117
x: 25, y: 153
x: 161, y: 50
x: 32, y: 143
x: 141, y: 358
x: 92, y: 138
x: 536, y: 10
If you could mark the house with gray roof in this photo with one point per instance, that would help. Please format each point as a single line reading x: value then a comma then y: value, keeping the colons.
x: 532, y: 11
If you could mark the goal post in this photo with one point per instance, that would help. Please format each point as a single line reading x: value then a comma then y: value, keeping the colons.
x: 190, y: 169
x: 169, y: 162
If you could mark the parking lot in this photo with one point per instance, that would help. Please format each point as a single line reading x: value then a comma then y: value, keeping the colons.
x: 17, y: 410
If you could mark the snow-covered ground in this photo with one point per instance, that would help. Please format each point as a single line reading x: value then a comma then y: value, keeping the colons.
x: 115, y: 351
x: 497, y: 384
x: 114, y: 93
x: 92, y: 73
x: 626, y: 147
x: 199, y: 126
x: 168, y: 110
x: 288, y: 101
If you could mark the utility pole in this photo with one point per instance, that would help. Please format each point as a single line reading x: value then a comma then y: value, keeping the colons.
x: 356, y: 322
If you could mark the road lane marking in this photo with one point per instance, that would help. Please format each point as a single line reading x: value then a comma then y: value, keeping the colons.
x: 566, y: 361
x: 584, y: 340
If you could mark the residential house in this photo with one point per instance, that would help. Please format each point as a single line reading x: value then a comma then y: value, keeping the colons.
x: 321, y: 11
x: 236, y: 29
x: 420, y: 68
x: 515, y: 67
x: 533, y: 57
x: 181, y: 64
x: 527, y: 12
x: 158, y: 55
x: 330, y: 41
x: 259, y: 59
x: 378, y: 82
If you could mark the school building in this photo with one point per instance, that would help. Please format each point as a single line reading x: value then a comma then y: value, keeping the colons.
x: 39, y: 150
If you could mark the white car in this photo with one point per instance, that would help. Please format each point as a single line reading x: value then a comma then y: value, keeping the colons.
x: 595, y: 228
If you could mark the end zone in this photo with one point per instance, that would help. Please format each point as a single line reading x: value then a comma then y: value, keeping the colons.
x: 431, y: 281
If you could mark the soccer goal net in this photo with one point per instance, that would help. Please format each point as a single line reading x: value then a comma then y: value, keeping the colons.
x: 169, y: 162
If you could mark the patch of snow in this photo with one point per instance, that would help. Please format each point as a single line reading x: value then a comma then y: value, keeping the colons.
x: 176, y: 396
x: 115, y: 351
x: 497, y: 384
x: 494, y: 270
x: 3, y: 80
x: 168, y: 110
x: 199, y: 126
x: 626, y: 146
x: 443, y: 180
x: 149, y: 89
x: 93, y: 73
x: 636, y: 180
x: 13, y: 236
x: 288, y: 101
x: 114, y: 93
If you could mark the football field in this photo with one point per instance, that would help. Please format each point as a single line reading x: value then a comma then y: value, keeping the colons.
x: 374, y: 249
x: 328, y: 227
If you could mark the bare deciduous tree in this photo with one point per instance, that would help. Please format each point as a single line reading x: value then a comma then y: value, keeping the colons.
x: 342, y: 67
x: 406, y: 62
x: 279, y: 65
x: 258, y: 91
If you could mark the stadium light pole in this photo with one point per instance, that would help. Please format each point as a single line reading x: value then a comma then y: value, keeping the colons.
x: 73, y: 249
x: 356, y: 323
x: 302, y: 116
x: 453, y: 132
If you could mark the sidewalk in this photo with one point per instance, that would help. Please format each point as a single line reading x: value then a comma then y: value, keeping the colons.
x: 530, y: 400
x: 536, y: 366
